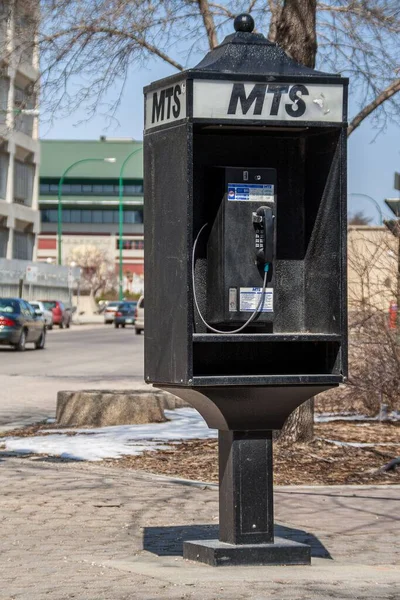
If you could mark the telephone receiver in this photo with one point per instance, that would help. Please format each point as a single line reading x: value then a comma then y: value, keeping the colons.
x: 263, y: 221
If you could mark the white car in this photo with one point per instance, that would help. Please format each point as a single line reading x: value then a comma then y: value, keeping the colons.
x: 139, y: 316
x: 110, y: 310
x: 47, y: 314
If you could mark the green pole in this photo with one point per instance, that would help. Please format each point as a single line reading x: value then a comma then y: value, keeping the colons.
x: 59, y: 195
x: 121, y: 221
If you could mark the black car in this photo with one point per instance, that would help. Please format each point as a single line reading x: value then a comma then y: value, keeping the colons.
x: 21, y: 324
x: 125, y: 314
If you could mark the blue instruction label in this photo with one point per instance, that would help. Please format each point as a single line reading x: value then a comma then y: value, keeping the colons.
x: 251, y: 192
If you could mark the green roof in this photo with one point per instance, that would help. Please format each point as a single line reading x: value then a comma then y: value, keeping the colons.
x: 58, y: 155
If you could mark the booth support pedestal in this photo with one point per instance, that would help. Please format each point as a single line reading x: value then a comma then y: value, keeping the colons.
x: 246, y: 513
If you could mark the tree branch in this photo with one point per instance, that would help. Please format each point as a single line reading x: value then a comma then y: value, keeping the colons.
x: 388, y: 93
x: 90, y: 29
x: 209, y: 24
x: 273, y: 23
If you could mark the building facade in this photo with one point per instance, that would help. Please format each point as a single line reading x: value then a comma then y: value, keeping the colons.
x: 90, y: 201
x: 373, y: 263
x: 19, y: 145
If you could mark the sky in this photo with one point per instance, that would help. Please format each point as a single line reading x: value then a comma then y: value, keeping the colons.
x: 372, y: 159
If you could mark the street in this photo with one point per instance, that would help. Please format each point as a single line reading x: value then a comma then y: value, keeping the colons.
x: 83, y: 357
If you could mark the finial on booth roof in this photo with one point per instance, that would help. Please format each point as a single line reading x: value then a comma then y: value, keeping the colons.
x: 244, y: 22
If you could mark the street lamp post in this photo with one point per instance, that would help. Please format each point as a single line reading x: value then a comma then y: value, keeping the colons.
x: 378, y: 208
x: 60, y: 184
x: 121, y: 219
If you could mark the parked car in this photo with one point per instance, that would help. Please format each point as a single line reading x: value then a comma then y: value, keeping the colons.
x: 47, y: 314
x: 110, y: 310
x: 20, y: 324
x: 62, y: 314
x: 125, y: 314
x: 139, y: 316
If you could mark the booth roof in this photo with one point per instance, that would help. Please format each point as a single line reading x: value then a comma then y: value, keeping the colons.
x: 252, y: 54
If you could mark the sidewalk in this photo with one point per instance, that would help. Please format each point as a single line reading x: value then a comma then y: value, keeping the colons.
x: 87, y: 319
x: 84, y: 531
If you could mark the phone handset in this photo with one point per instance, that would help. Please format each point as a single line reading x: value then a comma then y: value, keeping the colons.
x: 263, y: 221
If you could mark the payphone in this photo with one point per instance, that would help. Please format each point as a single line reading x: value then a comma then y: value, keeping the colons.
x: 241, y: 248
x: 245, y: 263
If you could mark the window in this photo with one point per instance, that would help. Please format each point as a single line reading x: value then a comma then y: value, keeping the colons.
x: 3, y: 174
x: 133, y: 189
x: 28, y: 310
x: 107, y: 216
x: 130, y: 244
x: 132, y: 216
x: 49, y: 305
x: 25, y: 26
x: 97, y: 216
x: 23, y: 182
x: 89, y: 189
x: 23, y: 99
x: 3, y: 241
x: 49, y: 215
x: 9, y: 306
x: 23, y: 245
x: 4, y: 88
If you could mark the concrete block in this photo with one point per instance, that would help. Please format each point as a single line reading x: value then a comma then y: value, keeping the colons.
x: 101, y: 408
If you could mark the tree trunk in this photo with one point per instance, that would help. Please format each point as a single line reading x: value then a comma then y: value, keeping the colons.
x: 294, y: 29
x: 299, y: 426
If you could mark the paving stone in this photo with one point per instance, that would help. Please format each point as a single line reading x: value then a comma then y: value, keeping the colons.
x: 78, y: 530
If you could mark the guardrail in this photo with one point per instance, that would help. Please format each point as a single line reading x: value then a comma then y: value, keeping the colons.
x: 35, y: 280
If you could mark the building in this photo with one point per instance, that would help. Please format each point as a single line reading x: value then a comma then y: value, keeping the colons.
x: 90, y: 200
x: 373, y: 262
x: 19, y: 145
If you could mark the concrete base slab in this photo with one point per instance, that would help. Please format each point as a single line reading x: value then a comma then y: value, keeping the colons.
x: 324, y: 572
x: 217, y: 554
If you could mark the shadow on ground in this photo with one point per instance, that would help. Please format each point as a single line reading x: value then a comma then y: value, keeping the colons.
x: 168, y: 541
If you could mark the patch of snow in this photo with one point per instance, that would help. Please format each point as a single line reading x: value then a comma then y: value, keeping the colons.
x: 358, y: 444
x: 117, y: 441
x: 328, y: 417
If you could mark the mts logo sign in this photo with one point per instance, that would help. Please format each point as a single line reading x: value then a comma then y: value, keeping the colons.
x: 255, y: 101
x: 276, y: 101
x: 166, y: 105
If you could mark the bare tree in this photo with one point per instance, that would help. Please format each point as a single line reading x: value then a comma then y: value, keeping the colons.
x: 359, y: 218
x: 97, y: 268
x: 374, y: 349
x: 89, y: 47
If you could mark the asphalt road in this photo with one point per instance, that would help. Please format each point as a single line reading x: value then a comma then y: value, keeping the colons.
x: 83, y: 357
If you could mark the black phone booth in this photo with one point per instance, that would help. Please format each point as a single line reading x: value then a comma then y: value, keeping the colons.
x: 245, y: 262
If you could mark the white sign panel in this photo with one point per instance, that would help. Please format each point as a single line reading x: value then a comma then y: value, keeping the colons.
x: 166, y: 105
x: 31, y: 274
x: 267, y: 101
